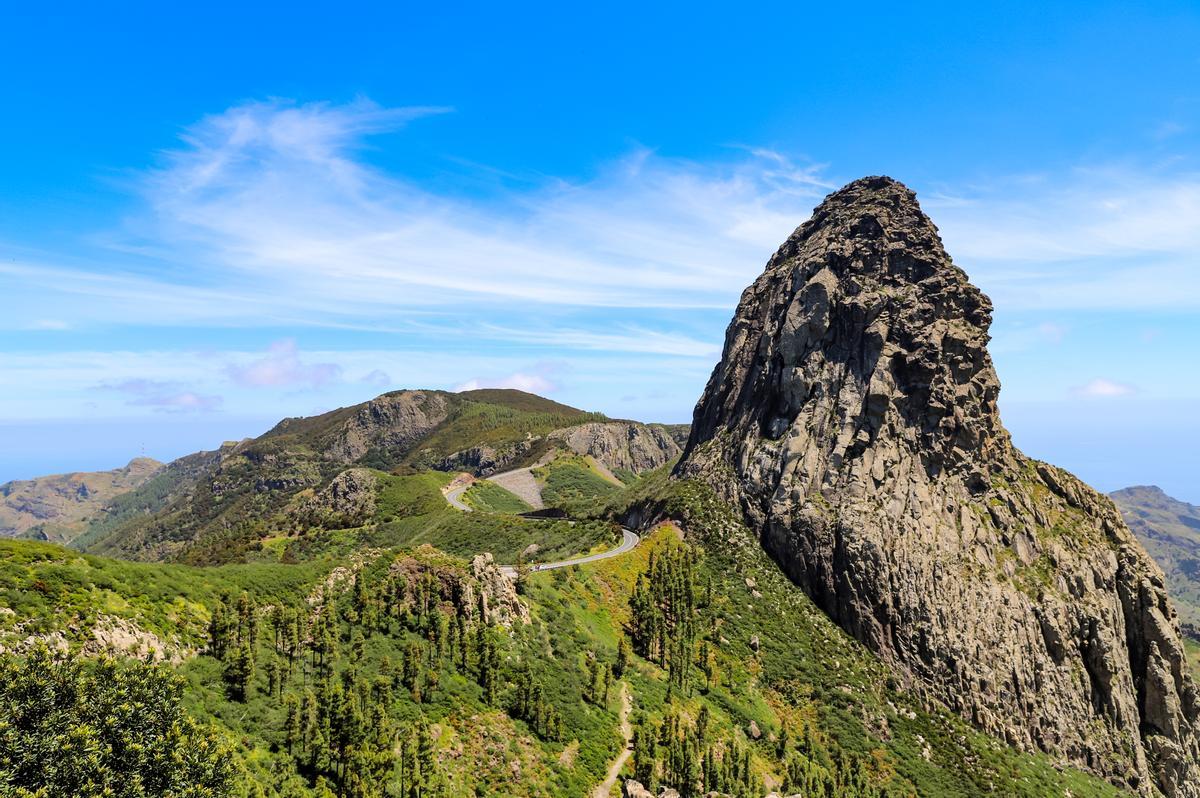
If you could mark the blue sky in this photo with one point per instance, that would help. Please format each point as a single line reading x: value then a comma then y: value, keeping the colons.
x: 212, y: 217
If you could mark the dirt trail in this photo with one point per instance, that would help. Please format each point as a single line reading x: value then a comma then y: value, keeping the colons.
x: 604, y: 789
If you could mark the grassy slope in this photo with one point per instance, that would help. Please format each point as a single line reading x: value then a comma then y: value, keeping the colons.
x: 412, y: 510
x: 1192, y: 649
x: 50, y: 589
x: 56, y: 508
x: 572, y: 483
x: 490, y: 497
x: 494, y: 417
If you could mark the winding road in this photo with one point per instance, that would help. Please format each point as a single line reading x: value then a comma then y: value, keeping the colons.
x: 629, y: 540
x: 454, y: 496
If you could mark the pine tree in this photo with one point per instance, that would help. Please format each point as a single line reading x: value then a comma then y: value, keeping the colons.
x: 645, y: 756
x: 292, y: 729
x: 622, y: 661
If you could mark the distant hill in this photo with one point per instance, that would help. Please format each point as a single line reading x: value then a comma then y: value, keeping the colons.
x: 57, y: 508
x: 215, y: 506
x: 1170, y: 531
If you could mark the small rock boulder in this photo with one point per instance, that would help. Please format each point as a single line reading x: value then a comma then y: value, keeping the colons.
x: 634, y: 789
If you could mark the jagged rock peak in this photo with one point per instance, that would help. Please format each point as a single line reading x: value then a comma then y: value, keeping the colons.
x: 864, y: 288
x: 853, y: 419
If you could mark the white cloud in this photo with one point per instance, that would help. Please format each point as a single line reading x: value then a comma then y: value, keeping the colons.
x: 542, y: 379
x: 1116, y: 238
x: 377, y: 378
x: 169, y: 397
x: 283, y: 368
x: 530, y: 383
x: 278, y: 221
x: 1052, y: 332
x: 1104, y: 388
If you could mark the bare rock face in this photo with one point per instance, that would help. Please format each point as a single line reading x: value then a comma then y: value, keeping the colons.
x: 499, y: 601
x: 485, y: 460
x: 392, y: 421
x: 620, y: 445
x: 635, y: 789
x: 853, y: 419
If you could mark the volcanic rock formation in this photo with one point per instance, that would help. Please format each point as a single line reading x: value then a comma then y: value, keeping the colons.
x: 853, y: 420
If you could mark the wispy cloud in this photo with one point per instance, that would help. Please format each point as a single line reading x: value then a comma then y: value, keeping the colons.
x: 168, y: 397
x: 1101, y: 388
x: 274, y: 217
x: 541, y: 378
x: 1111, y: 238
x: 282, y: 367
x: 530, y: 383
x: 56, y: 325
x: 269, y: 215
x: 377, y: 378
x: 286, y: 221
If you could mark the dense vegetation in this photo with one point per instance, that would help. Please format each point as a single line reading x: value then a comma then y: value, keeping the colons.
x: 574, y: 484
x: 99, y: 728
x: 372, y: 668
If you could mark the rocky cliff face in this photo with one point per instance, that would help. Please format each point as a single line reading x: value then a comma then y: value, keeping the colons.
x: 620, y: 445
x: 394, y: 421
x: 853, y: 420
x: 347, y: 501
x: 1170, y: 531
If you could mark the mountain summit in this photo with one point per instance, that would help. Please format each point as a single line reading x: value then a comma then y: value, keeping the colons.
x: 853, y: 420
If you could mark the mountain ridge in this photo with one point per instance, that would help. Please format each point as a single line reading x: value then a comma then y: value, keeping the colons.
x: 215, y: 504
x: 56, y: 507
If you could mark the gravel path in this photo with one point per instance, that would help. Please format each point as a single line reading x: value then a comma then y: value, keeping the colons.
x: 522, y: 483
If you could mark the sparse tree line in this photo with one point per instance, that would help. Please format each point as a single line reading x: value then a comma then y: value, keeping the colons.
x: 339, y: 725
x: 673, y: 623
x: 684, y: 755
x: 664, y: 607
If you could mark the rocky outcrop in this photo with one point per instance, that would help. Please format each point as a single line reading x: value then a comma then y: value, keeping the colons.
x: 635, y: 789
x: 485, y: 460
x: 347, y: 501
x: 392, y: 422
x: 1170, y: 531
x: 58, y: 507
x: 853, y: 420
x: 620, y: 445
x: 498, y: 597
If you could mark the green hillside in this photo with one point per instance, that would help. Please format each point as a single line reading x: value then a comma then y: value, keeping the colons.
x: 373, y: 672
x: 490, y: 497
x: 215, y: 507
x: 574, y: 484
